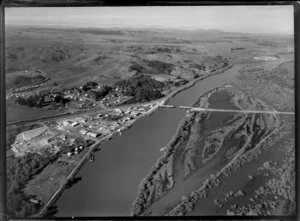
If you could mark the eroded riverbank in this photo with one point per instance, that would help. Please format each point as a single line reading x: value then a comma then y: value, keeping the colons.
x: 109, y: 185
x: 130, y: 155
x: 204, y: 144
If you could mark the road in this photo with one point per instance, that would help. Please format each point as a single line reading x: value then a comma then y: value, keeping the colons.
x: 70, y: 176
x: 236, y: 111
x: 163, y: 101
x: 79, y: 113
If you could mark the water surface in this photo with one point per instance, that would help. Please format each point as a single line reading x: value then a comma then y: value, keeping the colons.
x: 109, y: 185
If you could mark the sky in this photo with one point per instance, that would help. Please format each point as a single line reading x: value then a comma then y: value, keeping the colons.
x: 245, y: 19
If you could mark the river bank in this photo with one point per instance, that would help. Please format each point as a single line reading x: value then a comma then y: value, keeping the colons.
x: 165, y: 174
x: 104, y: 182
x: 243, y: 156
x: 94, y: 147
x: 156, y: 105
x: 139, y: 139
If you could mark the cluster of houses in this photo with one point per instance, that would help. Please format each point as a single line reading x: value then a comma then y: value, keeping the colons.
x: 29, y: 87
x: 115, y: 98
x: 73, y: 123
x: 131, y: 111
x: 101, y: 127
x: 69, y: 123
x: 88, y: 133
x: 75, y: 150
x: 20, y: 94
x: 72, y: 93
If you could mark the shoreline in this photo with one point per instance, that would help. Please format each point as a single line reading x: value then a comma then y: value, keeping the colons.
x: 158, y: 102
x: 169, y: 153
x: 193, y: 82
x: 238, y: 161
x: 95, y: 147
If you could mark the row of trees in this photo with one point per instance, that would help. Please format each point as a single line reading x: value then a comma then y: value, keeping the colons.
x: 161, y: 67
x: 21, y: 80
x: 89, y: 85
x: 40, y: 101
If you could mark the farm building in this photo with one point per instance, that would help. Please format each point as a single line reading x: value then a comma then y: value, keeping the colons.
x: 83, y: 132
x: 35, y: 201
x: 70, y: 123
x: 92, y: 134
x: 80, y: 119
x: 118, y: 110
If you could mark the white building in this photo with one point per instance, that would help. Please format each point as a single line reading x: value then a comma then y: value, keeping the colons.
x: 83, y: 132
x: 92, y: 134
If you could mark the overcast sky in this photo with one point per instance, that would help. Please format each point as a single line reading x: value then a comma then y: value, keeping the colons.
x: 247, y: 19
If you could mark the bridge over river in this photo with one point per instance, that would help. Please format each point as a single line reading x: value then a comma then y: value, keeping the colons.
x: 227, y: 110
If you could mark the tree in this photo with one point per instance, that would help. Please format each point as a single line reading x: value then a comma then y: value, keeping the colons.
x: 89, y: 85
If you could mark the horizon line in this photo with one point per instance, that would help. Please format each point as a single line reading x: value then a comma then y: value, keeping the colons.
x: 115, y: 26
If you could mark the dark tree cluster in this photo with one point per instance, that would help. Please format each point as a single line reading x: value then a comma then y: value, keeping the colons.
x: 161, y: 67
x: 137, y: 67
x: 142, y: 88
x: 89, y: 85
x: 200, y: 67
x: 181, y: 82
x: 167, y: 50
x: 25, y: 80
x: 19, y: 171
x: 40, y: 101
x: 98, y: 95
x: 32, y: 101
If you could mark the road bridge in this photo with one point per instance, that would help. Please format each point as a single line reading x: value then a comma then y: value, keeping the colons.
x: 167, y: 106
x: 236, y: 111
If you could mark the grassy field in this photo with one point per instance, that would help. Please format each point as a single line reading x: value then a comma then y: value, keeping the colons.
x: 17, y: 113
x: 45, y: 184
x: 72, y: 57
x: 275, y: 86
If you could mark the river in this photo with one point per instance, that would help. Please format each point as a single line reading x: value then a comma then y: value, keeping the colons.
x: 109, y: 185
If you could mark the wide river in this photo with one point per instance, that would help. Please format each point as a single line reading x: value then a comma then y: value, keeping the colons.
x: 109, y: 185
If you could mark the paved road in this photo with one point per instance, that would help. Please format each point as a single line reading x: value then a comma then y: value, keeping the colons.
x: 236, y: 111
x: 73, y: 172
x: 80, y: 113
